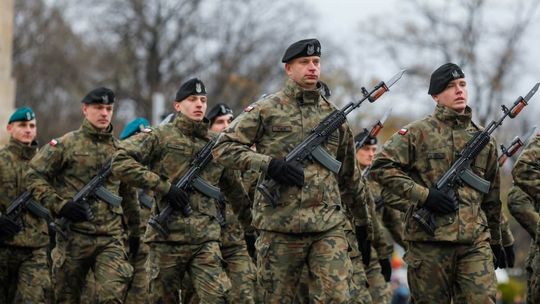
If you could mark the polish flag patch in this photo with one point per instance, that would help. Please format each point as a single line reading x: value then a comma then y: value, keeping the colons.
x: 249, y: 108
x: 403, y: 131
x: 53, y: 142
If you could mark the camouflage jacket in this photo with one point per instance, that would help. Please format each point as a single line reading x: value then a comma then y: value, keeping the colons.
x: 65, y: 165
x: 276, y: 124
x: 523, y: 209
x: 526, y: 172
x: 413, y: 159
x: 156, y: 158
x: 14, y: 159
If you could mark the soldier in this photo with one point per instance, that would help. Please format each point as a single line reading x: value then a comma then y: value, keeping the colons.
x: 305, y: 228
x: 154, y: 160
x: 238, y: 264
x: 526, y: 174
x: 95, y: 237
x: 137, y: 255
x: 24, y: 274
x: 456, y: 263
x: 379, y: 269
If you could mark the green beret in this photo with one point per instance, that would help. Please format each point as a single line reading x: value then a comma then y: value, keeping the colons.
x: 442, y: 76
x: 194, y: 86
x: 302, y: 48
x: 22, y: 114
x: 134, y: 127
x: 99, y: 95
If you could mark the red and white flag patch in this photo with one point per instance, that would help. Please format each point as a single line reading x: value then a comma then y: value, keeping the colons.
x: 403, y: 131
x: 53, y: 142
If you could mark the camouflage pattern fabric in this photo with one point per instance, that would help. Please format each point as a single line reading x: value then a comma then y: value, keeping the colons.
x: 533, y: 293
x: 281, y: 258
x: 167, y: 264
x: 24, y: 275
x: 379, y: 289
x: 107, y: 258
x: 410, y: 162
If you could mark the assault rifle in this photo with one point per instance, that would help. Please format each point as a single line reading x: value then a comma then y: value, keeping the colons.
x: 377, y: 127
x: 460, y: 171
x: 516, y: 144
x: 311, y: 147
x: 19, y: 204
x: 188, y: 182
x: 94, y: 188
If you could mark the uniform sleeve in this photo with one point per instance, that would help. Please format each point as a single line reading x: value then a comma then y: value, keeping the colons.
x: 391, y: 164
x: 491, y: 204
x: 521, y: 207
x: 382, y: 245
x: 235, y: 194
x: 393, y: 222
x: 129, y: 163
x: 506, y: 233
x: 526, y: 172
x: 394, y: 202
x: 131, y: 209
x: 43, y: 168
x: 232, y: 149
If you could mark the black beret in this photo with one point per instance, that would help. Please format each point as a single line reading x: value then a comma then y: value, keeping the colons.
x: 99, y: 95
x: 194, y: 86
x: 442, y: 76
x: 370, y: 140
x: 219, y: 110
x: 302, y: 48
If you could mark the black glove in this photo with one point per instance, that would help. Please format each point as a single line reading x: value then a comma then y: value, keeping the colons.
x: 8, y: 227
x: 364, y: 244
x: 134, y: 242
x: 284, y: 173
x: 76, y: 212
x: 250, y: 243
x: 438, y: 202
x: 510, y: 255
x: 178, y: 199
x: 499, y: 257
x: 386, y: 269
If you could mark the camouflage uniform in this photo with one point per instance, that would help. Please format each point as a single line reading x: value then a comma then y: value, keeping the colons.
x: 24, y: 271
x: 305, y: 228
x: 193, y: 243
x: 457, y: 262
x: 526, y: 174
x: 56, y: 173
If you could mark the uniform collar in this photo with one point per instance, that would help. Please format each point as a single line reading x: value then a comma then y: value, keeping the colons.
x: 191, y: 127
x: 89, y: 129
x: 24, y: 151
x: 453, y: 118
x: 301, y: 95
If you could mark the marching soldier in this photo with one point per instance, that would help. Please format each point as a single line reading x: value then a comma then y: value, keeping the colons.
x: 24, y: 272
x: 94, y: 236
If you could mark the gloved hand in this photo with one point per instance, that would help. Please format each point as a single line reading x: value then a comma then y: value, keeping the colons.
x: 438, y: 202
x: 8, y: 228
x: 134, y: 243
x: 284, y: 173
x: 386, y: 269
x: 250, y: 243
x: 510, y: 255
x: 364, y: 244
x: 76, y: 212
x: 178, y: 199
x: 499, y: 257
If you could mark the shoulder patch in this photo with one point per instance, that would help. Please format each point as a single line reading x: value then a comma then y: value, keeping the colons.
x: 403, y: 131
x: 146, y: 130
x: 250, y: 107
x: 53, y: 142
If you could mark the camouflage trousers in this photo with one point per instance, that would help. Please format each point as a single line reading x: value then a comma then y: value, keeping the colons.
x: 241, y: 272
x: 360, y: 286
x: 441, y: 272
x: 529, y: 264
x: 535, y: 277
x: 24, y: 275
x: 379, y: 289
x: 168, y: 262
x: 136, y: 293
x: 105, y: 255
x: 281, y: 258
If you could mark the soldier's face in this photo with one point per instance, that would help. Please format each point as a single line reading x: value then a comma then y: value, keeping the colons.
x: 455, y: 95
x: 23, y: 131
x: 194, y: 107
x: 221, y: 123
x: 99, y: 115
x: 305, y: 71
x: 365, y: 155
